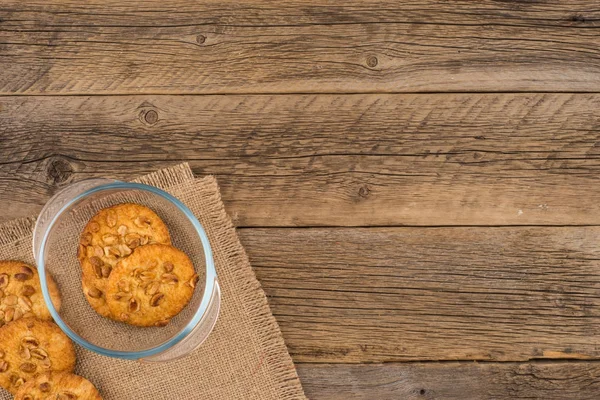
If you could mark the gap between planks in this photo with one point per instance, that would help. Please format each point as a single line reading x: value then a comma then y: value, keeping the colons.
x: 259, y: 93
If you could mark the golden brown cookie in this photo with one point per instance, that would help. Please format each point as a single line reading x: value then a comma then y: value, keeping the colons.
x: 21, y: 294
x: 151, y: 286
x: 59, y: 386
x: 29, y: 347
x: 112, y: 234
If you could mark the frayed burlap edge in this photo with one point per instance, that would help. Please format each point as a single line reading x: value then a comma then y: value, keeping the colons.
x: 278, y: 361
x: 16, y: 229
x: 168, y: 177
x: 277, y: 358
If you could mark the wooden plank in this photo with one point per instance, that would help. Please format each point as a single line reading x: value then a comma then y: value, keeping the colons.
x: 464, y: 381
x: 115, y: 47
x: 401, y: 294
x: 301, y: 160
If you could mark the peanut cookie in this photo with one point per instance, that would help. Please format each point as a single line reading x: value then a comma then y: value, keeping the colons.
x: 21, y: 294
x: 151, y: 286
x: 59, y: 386
x: 112, y: 234
x: 29, y: 347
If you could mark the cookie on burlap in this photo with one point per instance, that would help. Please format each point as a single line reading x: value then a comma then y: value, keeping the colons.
x: 59, y: 386
x: 151, y: 286
x: 21, y: 294
x: 29, y: 347
x: 112, y: 234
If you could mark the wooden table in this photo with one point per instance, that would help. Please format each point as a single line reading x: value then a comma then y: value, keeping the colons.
x: 415, y: 182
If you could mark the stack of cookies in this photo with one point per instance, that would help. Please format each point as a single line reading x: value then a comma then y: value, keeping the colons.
x: 36, y: 358
x: 130, y: 271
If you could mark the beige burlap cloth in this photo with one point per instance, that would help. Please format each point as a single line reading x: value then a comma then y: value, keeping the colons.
x: 244, y: 357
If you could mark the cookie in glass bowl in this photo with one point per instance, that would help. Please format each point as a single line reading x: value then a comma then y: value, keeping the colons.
x: 111, y: 235
x: 151, y: 286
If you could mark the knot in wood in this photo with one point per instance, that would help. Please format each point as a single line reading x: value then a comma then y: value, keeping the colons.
x: 59, y: 170
x: 372, y: 61
x: 364, y: 191
x: 151, y: 117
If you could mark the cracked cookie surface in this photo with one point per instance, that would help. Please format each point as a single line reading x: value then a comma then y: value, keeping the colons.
x: 151, y: 286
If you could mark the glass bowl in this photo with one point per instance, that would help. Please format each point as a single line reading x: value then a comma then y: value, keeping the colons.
x: 55, y: 242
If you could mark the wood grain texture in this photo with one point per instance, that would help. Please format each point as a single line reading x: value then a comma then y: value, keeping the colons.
x: 400, y: 294
x: 464, y: 381
x: 114, y: 47
x: 305, y: 160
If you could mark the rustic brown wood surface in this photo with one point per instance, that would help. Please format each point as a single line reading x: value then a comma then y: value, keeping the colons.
x: 410, y: 185
x: 401, y: 294
x: 465, y: 381
x: 305, y: 160
x: 116, y: 47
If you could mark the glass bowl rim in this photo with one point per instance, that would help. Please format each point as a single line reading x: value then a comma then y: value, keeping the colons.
x: 211, y: 274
